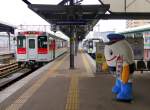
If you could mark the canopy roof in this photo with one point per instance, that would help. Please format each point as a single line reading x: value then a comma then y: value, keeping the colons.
x: 84, y: 17
x: 4, y: 27
x: 81, y: 17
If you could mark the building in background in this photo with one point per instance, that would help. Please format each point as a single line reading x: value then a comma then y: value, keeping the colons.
x: 4, y: 42
x: 102, y: 35
x: 136, y: 23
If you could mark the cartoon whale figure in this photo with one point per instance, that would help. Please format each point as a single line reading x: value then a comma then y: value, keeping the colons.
x: 119, y: 57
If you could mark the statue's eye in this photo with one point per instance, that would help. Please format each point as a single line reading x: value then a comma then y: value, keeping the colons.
x: 111, y: 52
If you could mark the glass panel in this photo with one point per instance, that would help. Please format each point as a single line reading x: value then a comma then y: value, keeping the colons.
x: 59, y: 43
x: 138, y: 34
x: 21, y: 41
x: 32, y: 43
x: 90, y: 44
x: 42, y: 42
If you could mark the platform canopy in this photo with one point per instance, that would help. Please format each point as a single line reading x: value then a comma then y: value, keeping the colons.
x: 84, y: 17
x: 142, y: 6
x: 5, y: 27
x: 81, y: 17
x: 127, y: 9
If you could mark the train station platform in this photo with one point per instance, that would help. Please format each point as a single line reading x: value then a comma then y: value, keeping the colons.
x: 6, y: 57
x: 56, y: 87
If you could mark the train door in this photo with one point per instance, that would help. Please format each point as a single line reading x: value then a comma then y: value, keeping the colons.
x: 54, y: 48
x: 32, y: 48
x: 51, y: 48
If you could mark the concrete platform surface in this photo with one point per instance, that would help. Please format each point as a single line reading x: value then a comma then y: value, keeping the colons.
x: 59, y: 88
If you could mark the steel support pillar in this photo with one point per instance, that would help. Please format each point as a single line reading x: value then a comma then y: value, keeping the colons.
x: 76, y: 40
x: 71, y: 47
x: 76, y: 46
x: 9, y: 46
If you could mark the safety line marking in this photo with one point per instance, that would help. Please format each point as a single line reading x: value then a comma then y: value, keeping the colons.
x: 20, y: 101
x: 86, y: 64
x: 73, y: 95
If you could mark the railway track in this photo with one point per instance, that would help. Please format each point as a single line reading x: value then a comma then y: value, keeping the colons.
x: 8, y: 69
x: 11, y: 73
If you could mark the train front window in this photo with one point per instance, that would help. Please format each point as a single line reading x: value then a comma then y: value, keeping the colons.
x: 42, y: 42
x: 32, y: 43
x: 21, y: 41
x: 90, y: 44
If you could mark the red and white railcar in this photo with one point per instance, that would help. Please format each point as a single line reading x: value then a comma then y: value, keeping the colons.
x: 34, y: 47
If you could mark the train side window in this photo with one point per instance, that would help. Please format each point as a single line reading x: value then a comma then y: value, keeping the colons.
x: 42, y: 42
x: 58, y: 43
x: 21, y: 41
x: 31, y: 43
x: 61, y: 44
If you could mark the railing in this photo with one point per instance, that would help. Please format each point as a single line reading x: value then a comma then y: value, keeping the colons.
x: 142, y: 65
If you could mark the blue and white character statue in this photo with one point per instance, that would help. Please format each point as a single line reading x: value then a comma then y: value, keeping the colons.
x: 119, y: 57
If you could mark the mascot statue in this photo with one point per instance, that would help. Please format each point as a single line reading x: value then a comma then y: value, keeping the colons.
x: 119, y: 57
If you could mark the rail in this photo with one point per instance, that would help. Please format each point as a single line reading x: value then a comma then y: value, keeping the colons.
x: 5, y: 70
x: 5, y: 57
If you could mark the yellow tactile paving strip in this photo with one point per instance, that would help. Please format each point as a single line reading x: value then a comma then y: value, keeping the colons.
x: 73, y: 99
x: 20, y: 101
x: 86, y: 64
x: 73, y: 95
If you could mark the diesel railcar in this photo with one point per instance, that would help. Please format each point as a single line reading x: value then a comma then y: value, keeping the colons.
x: 37, y: 48
x: 89, y: 46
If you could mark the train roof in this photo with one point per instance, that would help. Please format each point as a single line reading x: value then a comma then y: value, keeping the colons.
x: 50, y: 33
x: 92, y: 39
x: 136, y: 29
x: 62, y: 35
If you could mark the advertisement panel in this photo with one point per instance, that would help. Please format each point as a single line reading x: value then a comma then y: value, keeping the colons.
x: 146, y: 40
x: 146, y: 45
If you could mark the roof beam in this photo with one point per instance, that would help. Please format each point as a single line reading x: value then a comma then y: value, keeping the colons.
x: 6, y: 28
x: 58, y: 8
x: 71, y: 14
x: 63, y: 2
x: 80, y: 12
x: 27, y: 2
x: 129, y: 15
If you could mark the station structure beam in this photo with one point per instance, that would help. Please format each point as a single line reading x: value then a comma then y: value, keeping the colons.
x: 72, y: 46
x: 127, y: 15
x: 6, y: 28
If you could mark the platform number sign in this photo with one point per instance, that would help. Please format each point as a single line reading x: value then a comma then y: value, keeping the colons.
x: 100, y: 58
